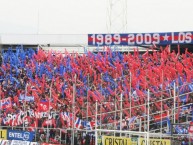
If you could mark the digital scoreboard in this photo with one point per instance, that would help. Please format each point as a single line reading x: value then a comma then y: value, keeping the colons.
x: 132, y: 39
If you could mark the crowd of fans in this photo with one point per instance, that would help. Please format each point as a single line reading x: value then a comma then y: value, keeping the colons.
x: 37, y: 88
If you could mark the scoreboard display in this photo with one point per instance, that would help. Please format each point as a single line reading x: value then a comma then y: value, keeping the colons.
x: 132, y: 39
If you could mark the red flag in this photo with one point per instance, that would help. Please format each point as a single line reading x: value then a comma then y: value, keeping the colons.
x: 190, y: 130
x: 6, y: 103
x: 51, y: 122
x: 158, y: 117
x: 43, y: 106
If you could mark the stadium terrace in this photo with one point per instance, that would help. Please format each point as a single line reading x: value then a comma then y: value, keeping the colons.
x: 45, y: 91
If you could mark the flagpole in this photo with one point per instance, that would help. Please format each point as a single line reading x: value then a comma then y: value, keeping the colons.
x: 73, y: 108
x: 148, y: 117
x: 161, y: 104
x: 115, y: 115
x: 174, y: 102
x: 177, y: 92
x: 130, y: 95
x: 96, y: 134
x: 146, y: 109
x: 140, y: 124
x: 121, y: 115
x: 87, y: 104
x: 100, y: 117
x: 47, y: 138
x: 24, y: 104
x: 101, y: 105
x: 145, y: 116
x: 115, y: 105
x: 0, y: 104
x: 168, y: 127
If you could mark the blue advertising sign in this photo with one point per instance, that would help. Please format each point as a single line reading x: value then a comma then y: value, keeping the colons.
x: 133, y: 39
x: 20, y: 135
x: 26, y: 98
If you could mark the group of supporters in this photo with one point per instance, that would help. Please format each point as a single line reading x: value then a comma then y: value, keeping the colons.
x: 39, y: 88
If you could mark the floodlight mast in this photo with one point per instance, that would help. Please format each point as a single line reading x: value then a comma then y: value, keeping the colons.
x: 116, y: 16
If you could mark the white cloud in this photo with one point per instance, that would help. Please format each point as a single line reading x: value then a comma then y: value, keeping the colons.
x: 89, y: 16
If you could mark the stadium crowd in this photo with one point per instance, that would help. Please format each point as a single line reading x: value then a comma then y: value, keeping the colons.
x: 37, y: 87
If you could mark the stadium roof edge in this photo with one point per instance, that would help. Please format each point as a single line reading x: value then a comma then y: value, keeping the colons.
x: 81, y: 49
x: 43, y: 39
x: 56, y: 42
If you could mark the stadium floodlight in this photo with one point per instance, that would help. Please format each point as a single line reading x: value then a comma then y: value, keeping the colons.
x: 116, y: 16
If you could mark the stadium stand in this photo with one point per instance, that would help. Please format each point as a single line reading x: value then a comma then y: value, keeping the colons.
x: 37, y: 89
